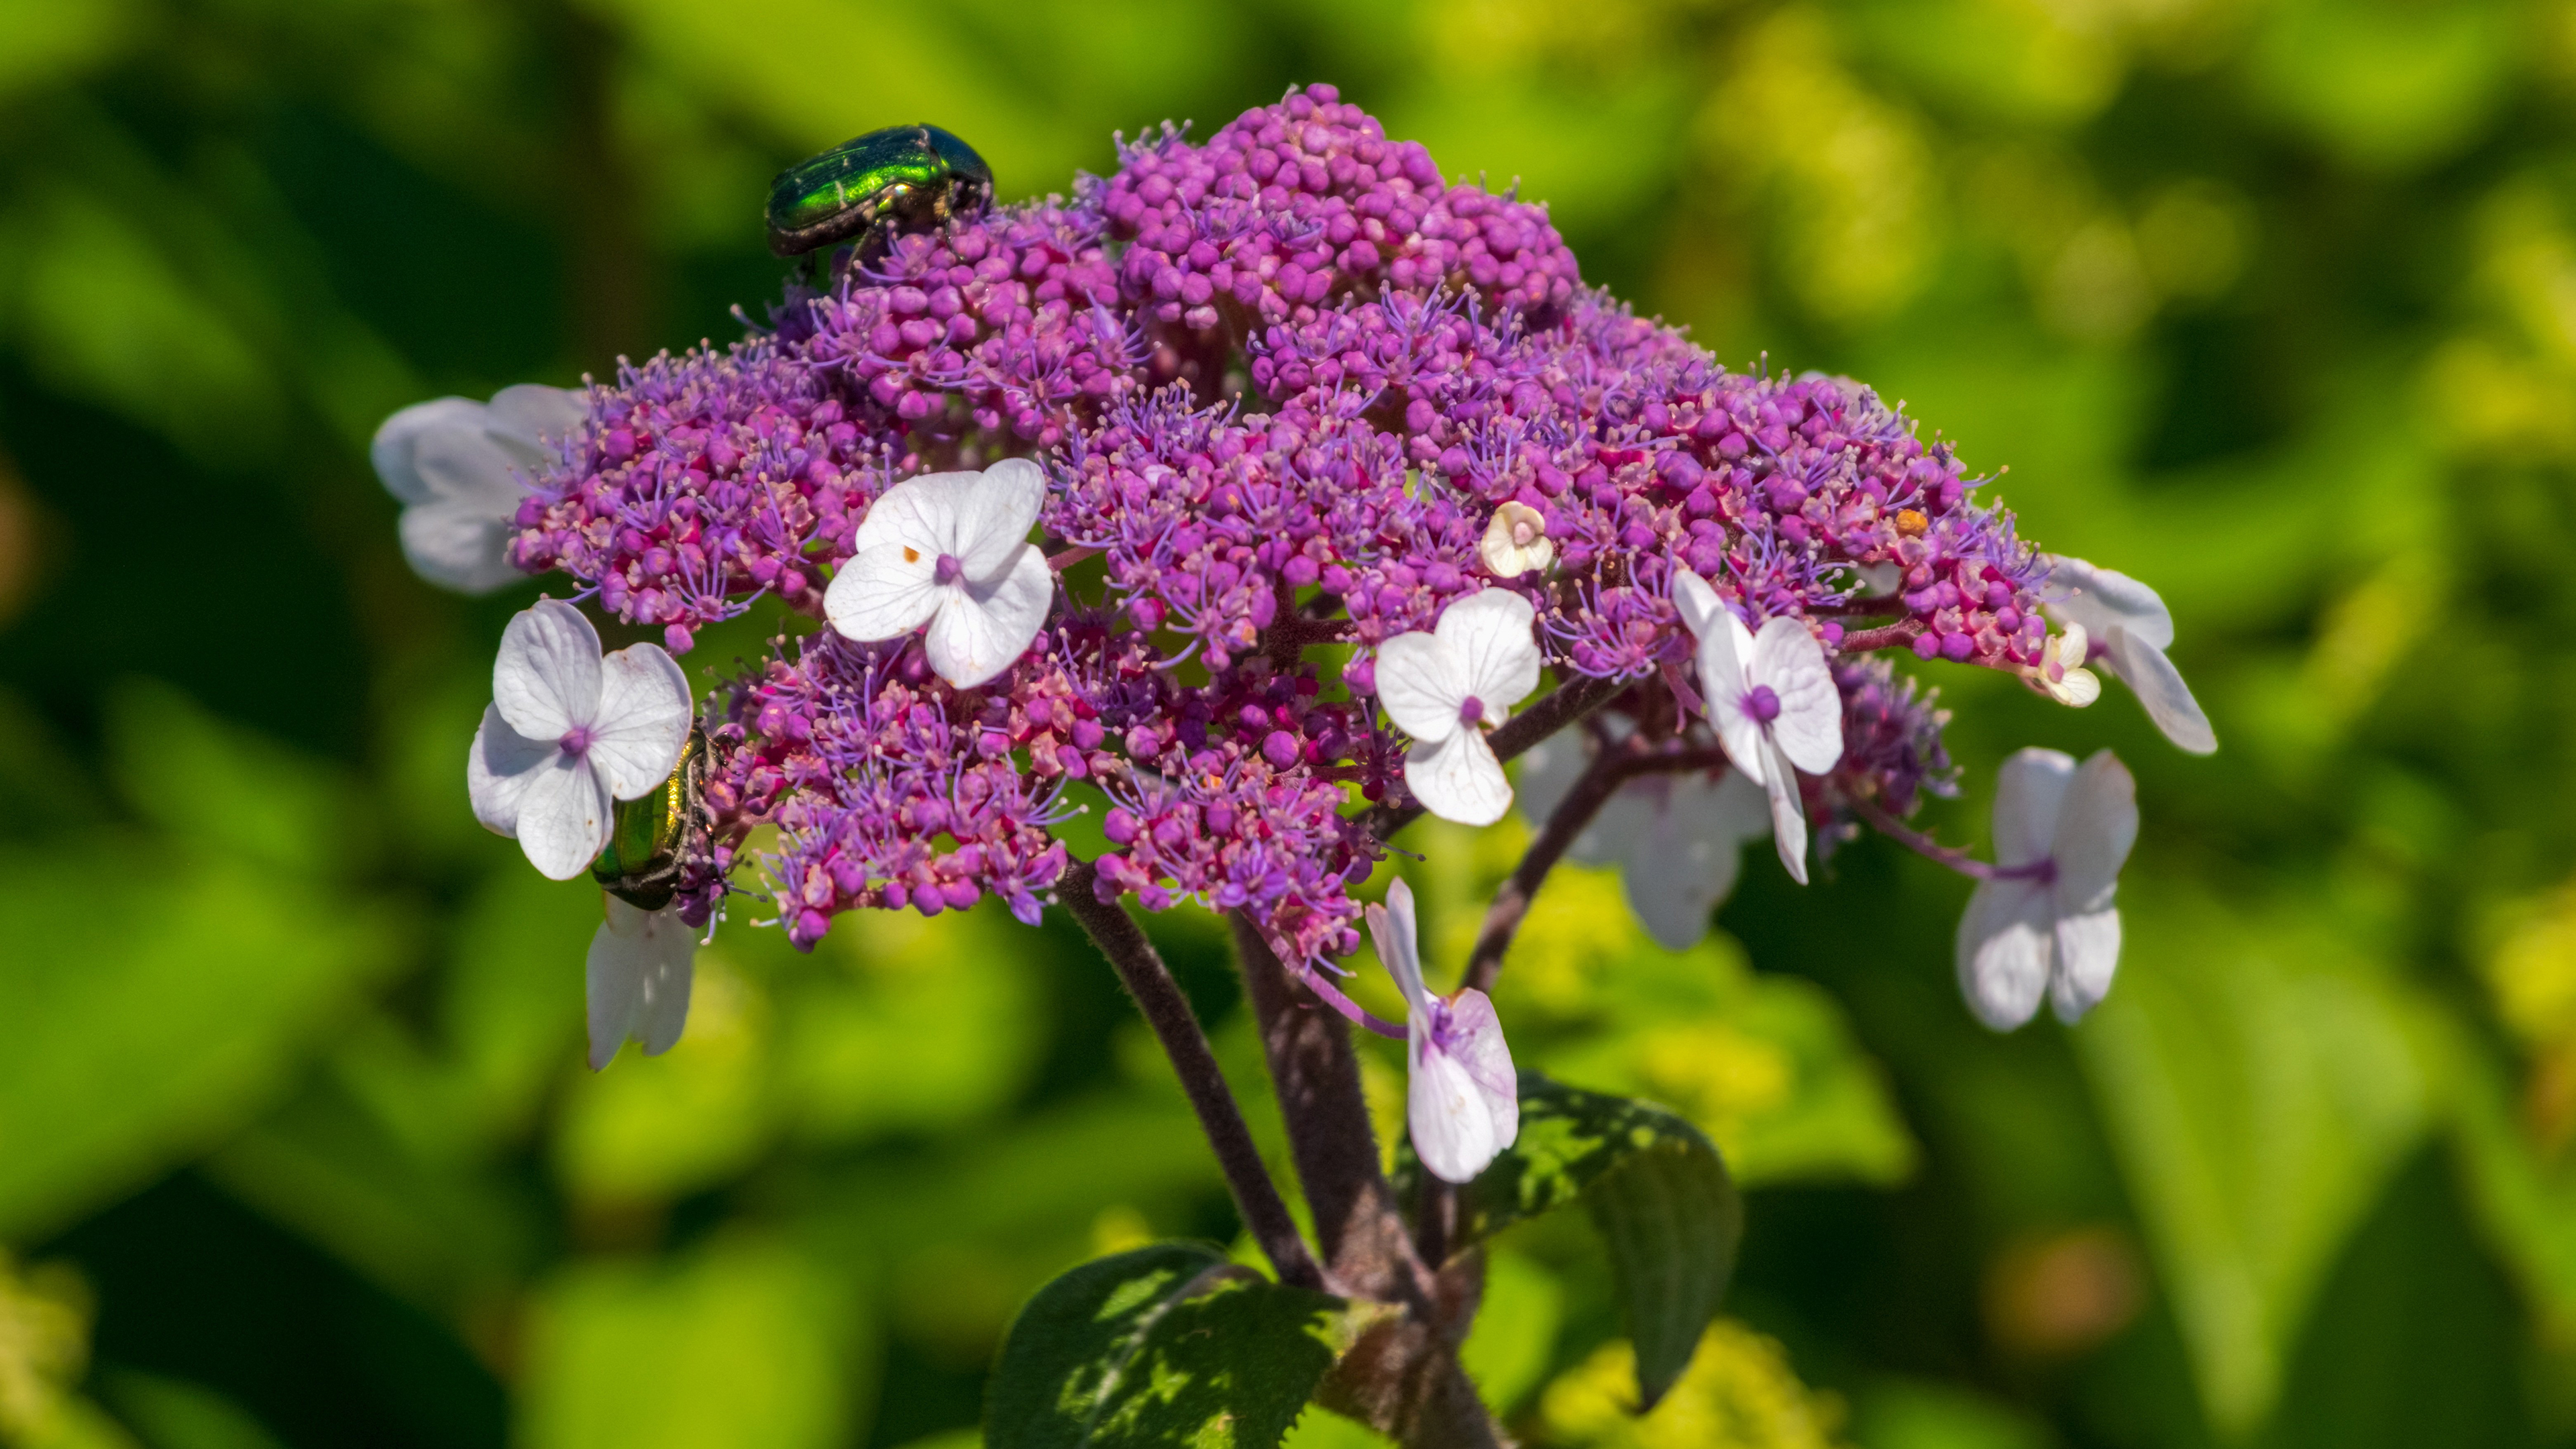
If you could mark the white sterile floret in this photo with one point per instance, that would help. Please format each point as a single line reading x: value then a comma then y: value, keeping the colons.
x: 1516, y: 542
x: 1678, y: 840
x: 2135, y: 630
x: 638, y: 980
x: 952, y: 551
x: 2050, y: 927
x: 1447, y: 687
x: 1773, y: 703
x: 460, y: 468
x: 2061, y: 668
x: 569, y: 733
x: 1461, y: 1097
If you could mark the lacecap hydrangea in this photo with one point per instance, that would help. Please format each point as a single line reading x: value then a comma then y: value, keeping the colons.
x: 1289, y: 395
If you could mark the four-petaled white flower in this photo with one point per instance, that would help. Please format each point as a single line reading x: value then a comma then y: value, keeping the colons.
x: 1447, y: 687
x: 2135, y: 629
x: 2047, y: 922
x: 1773, y: 703
x: 638, y: 980
x: 460, y: 468
x: 569, y: 733
x: 1461, y: 1098
x: 950, y: 550
x: 1678, y: 840
x: 2061, y: 668
x: 1516, y: 542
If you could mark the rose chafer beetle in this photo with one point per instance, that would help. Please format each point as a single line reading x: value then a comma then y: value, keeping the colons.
x: 903, y: 178
x: 641, y: 865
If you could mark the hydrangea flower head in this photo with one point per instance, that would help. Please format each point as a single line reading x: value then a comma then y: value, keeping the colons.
x: 1250, y: 486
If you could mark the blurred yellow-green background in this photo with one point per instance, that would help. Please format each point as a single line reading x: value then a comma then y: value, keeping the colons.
x: 2271, y: 303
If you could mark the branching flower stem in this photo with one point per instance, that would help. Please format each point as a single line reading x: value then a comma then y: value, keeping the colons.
x: 1167, y: 1011
x: 1609, y: 770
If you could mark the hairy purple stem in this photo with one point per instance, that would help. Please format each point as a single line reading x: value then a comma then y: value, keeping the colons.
x: 1167, y: 1011
x: 2044, y: 868
x: 1886, y: 636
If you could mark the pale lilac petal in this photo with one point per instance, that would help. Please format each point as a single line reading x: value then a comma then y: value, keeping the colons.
x: 397, y: 442
x: 1493, y: 636
x: 1450, y: 1116
x: 1682, y: 859
x: 1809, y: 727
x: 886, y: 590
x: 980, y: 630
x: 612, y: 986
x: 1472, y: 1035
x: 1725, y: 653
x: 546, y: 680
x: 459, y: 546
x: 529, y: 415
x: 1548, y: 771
x: 2102, y: 599
x: 994, y: 516
x: 2097, y: 822
x: 2088, y: 950
x: 499, y: 769
x: 1697, y: 603
x: 564, y: 816
x: 2159, y: 687
x: 468, y: 464
x: 1458, y: 778
x: 2028, y: 790
x: 1421, y: 683
x: 2004, y: 948
x: 1788, y: 816
x: 638, y: 978
x: 1392, y: 929
x: 644, y: 719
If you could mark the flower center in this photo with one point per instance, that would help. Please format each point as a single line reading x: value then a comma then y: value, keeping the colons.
x: 576, y: 741
x: 1762, y: 705
x: 1471, y: 711
x: 948, y: 570
x: 1522, y: 533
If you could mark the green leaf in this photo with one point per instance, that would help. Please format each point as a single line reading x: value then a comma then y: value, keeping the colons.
x: 2259, y: 1080
x: 1166, y: 1345
x: 1657, y: 1190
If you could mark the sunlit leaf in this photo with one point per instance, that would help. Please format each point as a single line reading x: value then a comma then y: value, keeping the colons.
x: 1166, y: 1345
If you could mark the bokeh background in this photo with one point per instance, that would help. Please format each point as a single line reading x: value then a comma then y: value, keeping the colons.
x: 2269, y: 302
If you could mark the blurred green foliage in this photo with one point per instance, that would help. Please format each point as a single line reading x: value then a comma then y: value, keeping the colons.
x: 2269, y: 302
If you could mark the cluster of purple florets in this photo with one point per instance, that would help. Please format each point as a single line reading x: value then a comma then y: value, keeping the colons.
x: 1280, y: 382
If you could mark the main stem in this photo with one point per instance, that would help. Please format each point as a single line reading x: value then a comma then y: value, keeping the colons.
x: 1167, y: 1011
x: 1403, y: 1377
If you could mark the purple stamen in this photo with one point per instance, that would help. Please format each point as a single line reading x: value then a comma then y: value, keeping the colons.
x: 1762, y: 705
x: 576, y: 741
x: 1471, y: 711
x: 948, y: 570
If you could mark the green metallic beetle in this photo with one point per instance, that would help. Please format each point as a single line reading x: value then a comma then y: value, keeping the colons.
x: 641, y: 865
x: 903, y: 178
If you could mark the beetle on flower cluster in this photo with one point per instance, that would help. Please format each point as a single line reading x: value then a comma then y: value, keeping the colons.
x: 1258, y: 487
